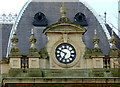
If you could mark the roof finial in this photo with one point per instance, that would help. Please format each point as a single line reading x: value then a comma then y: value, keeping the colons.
x: 33, y: 50
x: 14, y: 32
x: 95, y: 32
x: 105, y: 17
x: 14, y: 50
x: 114, y: 51
x: 32, y: 39
x: 95, y: 39
x: 112, y: 40
x: 14, y: 38
x: 63, y: 10
x: 112, y: 33
x: 32, y: 32
x: 96, y: 51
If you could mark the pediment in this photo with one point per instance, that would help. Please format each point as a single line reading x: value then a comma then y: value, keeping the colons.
x: 65, y: 28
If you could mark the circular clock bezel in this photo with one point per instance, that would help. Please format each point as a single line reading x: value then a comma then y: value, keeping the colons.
x: 65, y: 53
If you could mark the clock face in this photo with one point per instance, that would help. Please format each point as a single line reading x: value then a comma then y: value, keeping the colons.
x: 65, y: 53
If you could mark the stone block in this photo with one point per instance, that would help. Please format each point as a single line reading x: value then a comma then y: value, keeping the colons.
x: 15, y: 62
x: 34, y: 63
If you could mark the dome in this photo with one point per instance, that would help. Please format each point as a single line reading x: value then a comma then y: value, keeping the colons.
x: 50, y: 8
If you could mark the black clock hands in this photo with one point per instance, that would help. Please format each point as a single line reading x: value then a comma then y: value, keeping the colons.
x: 65, y: 53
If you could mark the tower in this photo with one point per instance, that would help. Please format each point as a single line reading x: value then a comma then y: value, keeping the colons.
x: 65, y: 45
x: 66, y: 59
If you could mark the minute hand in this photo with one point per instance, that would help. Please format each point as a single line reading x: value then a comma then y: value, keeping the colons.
x: 64, y: 53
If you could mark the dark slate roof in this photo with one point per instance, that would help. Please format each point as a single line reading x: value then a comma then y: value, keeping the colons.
x: 51, y: 11
x: 4, y: 37
x: 0, y: 41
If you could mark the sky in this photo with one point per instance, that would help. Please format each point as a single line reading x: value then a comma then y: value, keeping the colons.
x: 99, y: 6
x: 108, y: 6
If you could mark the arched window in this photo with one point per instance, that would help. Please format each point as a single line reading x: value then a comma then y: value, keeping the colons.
x: 40, y: 19
x: 80, y: 19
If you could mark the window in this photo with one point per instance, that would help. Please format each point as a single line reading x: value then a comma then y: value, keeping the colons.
x: 24, y: 63
x: 40, y: 19
x: 106, y: 63
x: 80, y: 19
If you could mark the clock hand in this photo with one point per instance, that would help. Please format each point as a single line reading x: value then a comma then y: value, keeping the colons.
x: 63, y: 53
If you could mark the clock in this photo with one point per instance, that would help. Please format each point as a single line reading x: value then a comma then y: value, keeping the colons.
x: 65, y: 53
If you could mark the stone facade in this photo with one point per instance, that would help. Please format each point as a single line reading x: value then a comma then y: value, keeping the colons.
x: 65, y: 59
x: 65, y: 33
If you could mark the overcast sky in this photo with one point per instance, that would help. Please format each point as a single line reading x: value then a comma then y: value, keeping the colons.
x: 100, y: 6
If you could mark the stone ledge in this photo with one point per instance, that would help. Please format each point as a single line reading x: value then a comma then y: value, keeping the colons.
x: 63, y: 73
x: 61, y: 80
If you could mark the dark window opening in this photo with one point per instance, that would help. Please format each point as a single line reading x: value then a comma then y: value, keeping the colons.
x: 106, y: 63
x: 40, y: 17
x: 24, y: 63
x: 80, y: 18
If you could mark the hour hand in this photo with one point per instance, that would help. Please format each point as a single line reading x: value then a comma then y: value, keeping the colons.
x: 63, y: 54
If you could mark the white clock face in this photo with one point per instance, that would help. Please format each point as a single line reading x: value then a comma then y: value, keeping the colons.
x: 65, y: 53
